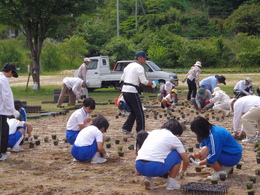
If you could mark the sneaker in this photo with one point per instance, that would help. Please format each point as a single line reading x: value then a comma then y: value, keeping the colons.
x: 148, y: 183
x: 6, y: 154
x: 2, y: 157
x: 75, y: 160
x: 227, y: 169
x: 226, y: 112
x: 17, y: 149
x: 248, y: 140
x: 216, y: 175
x: 126, y: 132
x: 172, y: 184
x: 98, y: 160
x: 165, y: 108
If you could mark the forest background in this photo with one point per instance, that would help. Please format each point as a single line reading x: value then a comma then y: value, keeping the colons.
x: 174, y: 33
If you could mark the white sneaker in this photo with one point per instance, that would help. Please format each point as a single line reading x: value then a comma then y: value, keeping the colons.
x: 216, y: 175
x: 98, y: 160
x: 3, y: 157
x: 17, y: 149
x: 226, y: 112
x: 248, y: 140
x: 227, y: 169
x: 75, y: 160
x: 6, y: 154
x: 148, y: 183
x: 165, y: 108
x: 172, y: 184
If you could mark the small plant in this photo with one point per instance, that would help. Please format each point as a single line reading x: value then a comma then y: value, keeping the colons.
x: 197, y: 145
x: 249, y: 184
x: 190, y: 149
x: 117, y: 141
x: 214, y: 181
x: 239, y: 165
x: 258, y: 160
x: 26, y: 139
x: 119, y: 148
x: 131, y: 147
x: 257, y: 171
x: 31, y: 145
x: 107, y: 139
x: 252, y: 178
x: 108, y: 144
x: 250, y: 192
x: 125, y: 139
x: 37, y: 142
x: 117, y: 116
x: 54, y: 137
x: 55, y: 142
x: 121, y: 153
x: 46, y: 139
x: 222, y: 176
x: 35, y: 136
x: 198, y: 168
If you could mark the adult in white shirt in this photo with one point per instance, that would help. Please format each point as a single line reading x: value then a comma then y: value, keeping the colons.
x: 162, y: 152
x: 133, y: 75
x: 246, y: 109
x: 243, y: 88
x: 90, y: 142
x: 220, y: 100
x: 82, y: 73
x: 16, y: 133
x: 6, y: 106
x: 71, y: 87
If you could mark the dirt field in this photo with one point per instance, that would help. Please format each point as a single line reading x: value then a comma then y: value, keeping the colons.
x: 49, y: 169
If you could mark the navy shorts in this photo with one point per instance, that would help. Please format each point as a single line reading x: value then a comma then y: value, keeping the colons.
x: 71, y: 136
x: 84, y: 153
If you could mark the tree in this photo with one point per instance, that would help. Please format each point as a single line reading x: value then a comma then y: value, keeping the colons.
x: 37, y: 19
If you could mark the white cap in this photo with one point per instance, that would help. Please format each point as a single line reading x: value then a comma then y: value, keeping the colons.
x: 249, y: 80
x: 198, y: 63
x: 87, y: 60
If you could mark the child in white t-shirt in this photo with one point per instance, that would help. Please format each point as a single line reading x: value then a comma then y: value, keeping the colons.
x: 169, y: 100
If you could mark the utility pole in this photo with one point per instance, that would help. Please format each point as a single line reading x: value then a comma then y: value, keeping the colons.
x: 117, y: 18
x: 136, y: 14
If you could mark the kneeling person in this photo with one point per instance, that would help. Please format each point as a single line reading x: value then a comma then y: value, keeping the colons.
x: 169, y: 100
x: 90, y: 140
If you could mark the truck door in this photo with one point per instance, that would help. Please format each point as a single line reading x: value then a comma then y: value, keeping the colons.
x: 93, y: 75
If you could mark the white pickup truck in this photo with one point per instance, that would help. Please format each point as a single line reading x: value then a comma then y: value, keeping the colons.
x: 100, y: 76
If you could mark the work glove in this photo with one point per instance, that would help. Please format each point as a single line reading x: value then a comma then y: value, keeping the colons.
x: 106, y: 155
x: 87, y: 83
x: 194, y: 162
x: 182, y: 174
x: 207, y: 101
x: 154, y: 84
x: 31, y: 139
x: 16, y: 114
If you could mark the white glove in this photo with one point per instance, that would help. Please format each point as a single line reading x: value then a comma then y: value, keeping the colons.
x: 31, y: 139
x: 106, y: 155
x: 154, y: 84
x: 16, y: 114
x: 194, y: 162
x: 87, y: 83
x: 182, y: 174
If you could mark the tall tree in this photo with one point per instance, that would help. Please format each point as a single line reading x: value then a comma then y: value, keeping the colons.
x: 38, y: 19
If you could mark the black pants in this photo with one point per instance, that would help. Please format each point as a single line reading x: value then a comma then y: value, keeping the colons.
x: 4, y: 128
x: 192, y: 89
x: 137, y: 113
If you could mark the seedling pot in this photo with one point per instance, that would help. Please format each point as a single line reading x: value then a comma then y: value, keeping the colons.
x: 214, y: 181
x: 117, y: 141
x: 249, y: 184
x: 55, y: 142
x: 37, y: 142
x: 253, y: 179
x: 222, y: 177
x: 54, y: 137
x: 108, y: 145
x: 120, y: 153
x: 239, y: 166
x: 198, y: 168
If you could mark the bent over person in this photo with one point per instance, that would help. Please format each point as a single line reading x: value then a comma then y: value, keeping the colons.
x: 133, y: 75
x: 71, y: 87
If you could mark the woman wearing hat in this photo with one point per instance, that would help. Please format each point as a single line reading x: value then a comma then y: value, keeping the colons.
x: 192, y: 78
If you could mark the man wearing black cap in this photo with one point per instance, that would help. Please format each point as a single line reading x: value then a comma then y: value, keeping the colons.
x: 211, y: 82
x: 133, y: 75
x: 6, y: 106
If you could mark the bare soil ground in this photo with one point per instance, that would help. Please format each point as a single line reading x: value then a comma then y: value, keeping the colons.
x: 48, y: 169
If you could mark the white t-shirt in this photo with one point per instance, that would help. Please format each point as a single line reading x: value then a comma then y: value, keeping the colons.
x: 158, y: 145
x: 87, y: 135
x: 75, y: 84
x: 169, y: 98
x: 77, y: 118
x: 13, y: 124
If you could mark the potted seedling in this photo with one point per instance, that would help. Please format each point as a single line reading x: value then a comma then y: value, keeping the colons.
x: 117, y: 116
x: 26, y: 139
x: 125, y: 139
x: 190, y: 149
x: 46, y: 139
x: 37, y: 142
x: 258, y: 160
x: 54, y: 136
x: 121, y: 153
x: 107, y: 139
x: 198, y: 168
x: 214, y: 181
x: 31, y: 145
x: 222, y: 176
x: 250, y: 192
x: 252, y: 178
x: 257, y: 171
x: 249, y: 184
x: 55, y: 142
x: 119, y: 148
x: 147, y: 116
x: 36, y: 136
x: 131, y: 147
x: 239, y: 165
x: 197, y: 145
x: 117, y: 141
x: 108, y: 144
x: 65, y: 140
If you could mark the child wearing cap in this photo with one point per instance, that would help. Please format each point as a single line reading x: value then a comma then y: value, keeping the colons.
x: 169, y: 101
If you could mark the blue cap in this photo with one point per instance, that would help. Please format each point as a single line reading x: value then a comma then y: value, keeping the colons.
x: 141, y: 54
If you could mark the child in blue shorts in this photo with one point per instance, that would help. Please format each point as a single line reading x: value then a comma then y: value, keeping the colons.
x: 79, y: 120
x: 219, y: 149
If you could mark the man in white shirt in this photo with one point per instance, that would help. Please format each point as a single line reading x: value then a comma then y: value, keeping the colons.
x: 243, y: 88
x: 133, y: 75
x: 71, y: 87
x: 247, y: 110
x: 6, y: 106
x: 82, y: 73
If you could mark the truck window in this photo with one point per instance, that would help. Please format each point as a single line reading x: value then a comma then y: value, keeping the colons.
x: 154, y: 66
x: 147, y: 68
x: 104, y: 62
x: 92, y: 65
